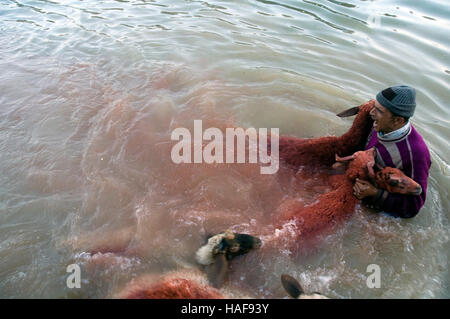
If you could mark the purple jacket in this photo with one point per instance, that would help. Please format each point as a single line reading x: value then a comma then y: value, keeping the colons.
x: 409, y: 154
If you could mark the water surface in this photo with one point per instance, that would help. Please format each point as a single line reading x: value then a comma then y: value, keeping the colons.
x: 91, y: 90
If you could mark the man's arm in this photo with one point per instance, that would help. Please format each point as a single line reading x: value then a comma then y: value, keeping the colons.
x: 398, y: 205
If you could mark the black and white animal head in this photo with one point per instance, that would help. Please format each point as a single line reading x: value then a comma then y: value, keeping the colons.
x: 227, y: 243
x: 237, y: 244
x: 220, y: 249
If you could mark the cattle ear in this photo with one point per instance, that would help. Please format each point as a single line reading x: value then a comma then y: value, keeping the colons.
x: 218, y: 271
x: 291, y: 285
x: 349, y: 112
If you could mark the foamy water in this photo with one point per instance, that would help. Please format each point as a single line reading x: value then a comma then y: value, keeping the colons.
x: 91, y: 91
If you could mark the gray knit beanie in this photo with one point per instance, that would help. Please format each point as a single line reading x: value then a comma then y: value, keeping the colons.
x: 400, y: 100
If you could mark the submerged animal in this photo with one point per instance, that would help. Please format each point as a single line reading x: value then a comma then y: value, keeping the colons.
x: 220, y: 249
x: 337, y: 205
x: 329, y: 209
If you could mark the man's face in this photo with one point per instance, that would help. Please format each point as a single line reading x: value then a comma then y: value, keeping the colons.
x: 383, y: 119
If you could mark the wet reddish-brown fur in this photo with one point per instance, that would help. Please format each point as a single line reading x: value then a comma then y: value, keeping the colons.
x: 333, y: 207
x: 320, y: 151
x: 337, y: 205
x: 175, y: 288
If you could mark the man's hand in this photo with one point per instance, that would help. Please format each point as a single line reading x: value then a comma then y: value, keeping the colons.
x: 363, y: 189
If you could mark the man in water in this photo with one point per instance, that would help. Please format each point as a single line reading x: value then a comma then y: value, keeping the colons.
x: 399, y: 145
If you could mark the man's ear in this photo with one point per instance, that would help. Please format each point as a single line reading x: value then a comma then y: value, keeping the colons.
x: 398, y: 120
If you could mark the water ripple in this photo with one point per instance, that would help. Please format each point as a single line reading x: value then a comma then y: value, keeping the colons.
x: 90, y: 91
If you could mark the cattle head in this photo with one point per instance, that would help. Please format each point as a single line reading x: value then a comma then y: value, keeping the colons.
x: 220, y: 249
x: 395, y: 181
